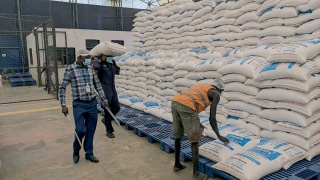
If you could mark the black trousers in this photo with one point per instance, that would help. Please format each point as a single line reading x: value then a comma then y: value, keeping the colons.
x: 114, y: 106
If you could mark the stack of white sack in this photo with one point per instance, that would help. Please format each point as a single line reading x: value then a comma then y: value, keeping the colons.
x: 188, y: 25
x: 276, y: 89
x: 263, y: 51
x: 249, y: 100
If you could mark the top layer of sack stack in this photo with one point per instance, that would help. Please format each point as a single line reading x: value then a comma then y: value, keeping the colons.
x: 185, y: 24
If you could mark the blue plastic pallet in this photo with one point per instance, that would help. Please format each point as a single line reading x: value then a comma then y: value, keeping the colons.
x: 158, y: 136
x: 303, y: 170
x: 168, y: 144
x: 140, y: 120
x: 127, y: 118
x: 16, y: 82
x: 29, y: 81
x: 25, y: 75
x: 146, y: 129
x: 13, y: 76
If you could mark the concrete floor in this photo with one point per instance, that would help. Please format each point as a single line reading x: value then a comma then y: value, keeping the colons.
x: 36, y: 143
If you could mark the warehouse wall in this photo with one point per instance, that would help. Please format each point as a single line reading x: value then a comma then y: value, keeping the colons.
x: 76, y: 38
x: 90, y: 16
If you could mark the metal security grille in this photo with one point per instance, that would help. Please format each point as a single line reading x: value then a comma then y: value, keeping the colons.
x: 27, y: 53
x: 91, y: 43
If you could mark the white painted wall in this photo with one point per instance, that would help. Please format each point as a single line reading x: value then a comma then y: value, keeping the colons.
x: 76, y: 38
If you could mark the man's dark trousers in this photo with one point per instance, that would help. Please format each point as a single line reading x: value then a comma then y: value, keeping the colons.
x: 114, y: 106
x: 85, y: 118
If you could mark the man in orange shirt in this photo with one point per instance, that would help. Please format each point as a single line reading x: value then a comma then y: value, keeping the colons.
x: 185, y: 109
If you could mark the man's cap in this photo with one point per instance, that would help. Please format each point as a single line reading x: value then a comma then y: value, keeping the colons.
x: 218, y: 83
x: 82, y: 52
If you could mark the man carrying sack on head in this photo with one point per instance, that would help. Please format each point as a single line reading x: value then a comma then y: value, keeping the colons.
x: 106, y: 70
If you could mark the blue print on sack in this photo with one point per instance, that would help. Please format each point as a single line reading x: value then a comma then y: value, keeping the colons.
x: 212, y: 60
x: 198, y: 50
x: 236, y: 129
x: 267, y: 10
x: 202, y: 122
x: 124, y: 96
x: 150, y: 104
x: 280, y: 145
x: 266, y: 153
x: 147, y: 58
x: 117, y: 58
x: 291, y: 65
x: 307, y: 11
x: 270, y: 67
x: 303, y: 45
x: 267, y: 47
x: 202, y: 63
x: 243, y: 61
x: 315, y: 42
x: 264, y: 141
x: 236, y: 50
x: 238, y: 139
x: 234, y: 118
x: 231, y: 62
x: 135, y: 100
x: 225, y: 127
x: 250, y: 158
x: 124, y: 59
x: 142, y: 53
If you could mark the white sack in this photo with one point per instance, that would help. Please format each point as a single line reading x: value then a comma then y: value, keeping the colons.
x: 278, y: 94
x: 240, y: 87
x: 288, y: 70
x: 184, y: 82
x: 226, y: 129
x: 212, y: 64
x: 314, y: 151
x: 293, y: 153
x: 271, y: 40
x: 271, y: 22
x: 299, y: 141
x: 283, y: 12
x: 217, y: 151
x: 237, y: 113
x: 239, y: 105
x: 297, y: 21
x: 308, y: 110
x: 306, y: 132
x: 261, y: 122
x: 297, y: 85
x: 295, y: 52
x: 267, y: 5
x: 252, y: 164
x: 255, y: 130
x: 278, y: 31
x: 308, y: 27
x: 289, y: 116
x: 311, y: 5
x: 233, y: 78
x: 249, y: 16
x: 248, y: 67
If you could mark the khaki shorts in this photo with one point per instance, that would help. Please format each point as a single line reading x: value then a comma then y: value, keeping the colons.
x: 186, y: 120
